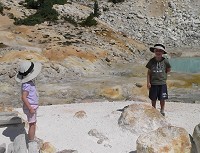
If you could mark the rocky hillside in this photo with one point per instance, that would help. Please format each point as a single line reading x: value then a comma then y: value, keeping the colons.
x: 177, y: 22
x: 105, y: 61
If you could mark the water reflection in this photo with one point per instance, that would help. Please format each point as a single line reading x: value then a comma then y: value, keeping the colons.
x: 186, y: 64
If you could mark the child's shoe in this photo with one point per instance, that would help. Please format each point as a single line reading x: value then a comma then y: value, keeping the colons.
x: 162, y: 112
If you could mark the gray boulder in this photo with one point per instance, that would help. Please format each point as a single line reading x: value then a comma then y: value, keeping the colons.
x: 3, y: 148
x: 141, y: 118
x: 165, y: 139
x: 196, y: 137
x: 8, y: 118
x: 10, y: 148
x: 19, y: 144
x: 33, y: 147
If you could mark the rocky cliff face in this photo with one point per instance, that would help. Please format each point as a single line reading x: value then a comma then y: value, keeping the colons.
x: 177, y: 22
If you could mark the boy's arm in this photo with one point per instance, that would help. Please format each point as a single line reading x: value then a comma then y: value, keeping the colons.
x: 148, y: 78
x: 25, y: 100
x: 168, y: 66
x: 168, y: 70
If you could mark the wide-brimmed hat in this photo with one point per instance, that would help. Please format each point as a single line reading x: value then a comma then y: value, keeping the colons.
x: 158, y: 46
x: 27, y: 71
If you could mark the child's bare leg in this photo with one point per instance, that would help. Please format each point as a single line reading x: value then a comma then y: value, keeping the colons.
x: 162, y: 105
x: 31, y: 131
x: 153, y: 103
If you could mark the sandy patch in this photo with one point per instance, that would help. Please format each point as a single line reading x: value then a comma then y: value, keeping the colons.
x: 57, y: 125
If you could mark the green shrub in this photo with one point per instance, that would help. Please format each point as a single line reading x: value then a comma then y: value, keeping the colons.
x: 32, y: 4
x: 89, y: 21
x: 45, y: 12
x: 48, y: 14
x: 31, y: 20
x: 1, y: 7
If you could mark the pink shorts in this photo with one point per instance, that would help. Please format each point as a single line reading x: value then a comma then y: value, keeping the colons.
x: 30, y: 117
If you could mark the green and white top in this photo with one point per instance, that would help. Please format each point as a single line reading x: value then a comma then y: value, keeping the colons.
x: 158, y: 70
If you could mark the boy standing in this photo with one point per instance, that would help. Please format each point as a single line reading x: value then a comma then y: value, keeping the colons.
x: 158, y: 67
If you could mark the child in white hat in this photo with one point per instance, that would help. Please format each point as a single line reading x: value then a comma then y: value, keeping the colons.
x: 158, y: 67
x: 27, y: 72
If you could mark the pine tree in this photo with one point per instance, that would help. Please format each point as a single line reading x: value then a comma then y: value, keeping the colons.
x: 96, y: 9
x: 1, y: 8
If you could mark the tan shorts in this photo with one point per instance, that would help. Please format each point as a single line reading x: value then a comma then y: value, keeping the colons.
x: 31, y: 118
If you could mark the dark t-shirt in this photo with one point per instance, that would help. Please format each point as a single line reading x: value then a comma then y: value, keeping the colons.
x: 158, y: 71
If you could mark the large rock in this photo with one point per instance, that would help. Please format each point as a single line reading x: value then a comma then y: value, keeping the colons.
x: 167, y: 139
x: 3, y: 148
x: 196, y: 137
x: 10, y: 148
x: 47, y: 148
x: 14, y: 114
x: 141, y: 118
x: 33, y: 147
x: 19, y: 144
x: 8, y: 118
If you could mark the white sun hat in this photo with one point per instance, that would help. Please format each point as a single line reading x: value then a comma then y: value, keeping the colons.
x: 27, y: 71
x: 158, y: 46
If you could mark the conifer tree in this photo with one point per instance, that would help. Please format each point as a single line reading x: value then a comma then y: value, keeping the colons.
x: 96, y: 9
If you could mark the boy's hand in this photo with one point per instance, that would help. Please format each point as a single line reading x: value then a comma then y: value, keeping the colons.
x: 148, y: 85
x: 32, y: 111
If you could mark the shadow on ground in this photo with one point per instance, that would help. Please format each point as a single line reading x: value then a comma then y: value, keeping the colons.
x: 12, y: 131
x: 133, y: 151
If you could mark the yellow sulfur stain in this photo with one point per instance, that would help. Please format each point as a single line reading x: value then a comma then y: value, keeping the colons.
x: 184, y: 80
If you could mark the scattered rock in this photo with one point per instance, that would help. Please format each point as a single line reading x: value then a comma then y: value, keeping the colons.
x: 11, y: 73
x: 141, y: 118
x: 98, y: 135
x: 68, y: 151
x: 45, y: 36
x: 55, y: 67
x: 80, y: 114
x: 165, y: 139
x: 3, y: 72
x: 139, y: 85
x: 107, y: 59
x: 140, y: 16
